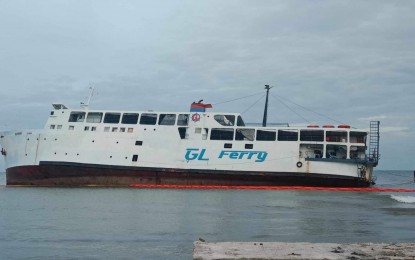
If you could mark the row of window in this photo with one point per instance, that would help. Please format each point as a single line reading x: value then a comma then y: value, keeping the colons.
x: 284, y: 135
x: 129, y: 118
x: 146, y: 118
x: 94, y: 128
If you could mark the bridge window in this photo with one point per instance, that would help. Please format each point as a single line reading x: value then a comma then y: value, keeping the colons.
x: 225, y: 120
x: 183, y: 119
x: 240, y: 121
x: 245, y: 134
x: 287, y: 135
x: 312, y: 135
x: 262, y: 135
x: 221, y: 134
x: 148, y: 119
x: 129, y: 118
x: 94, y: 117
x: 77, y: 117
x: 167, y: 119
x: 112, y: 118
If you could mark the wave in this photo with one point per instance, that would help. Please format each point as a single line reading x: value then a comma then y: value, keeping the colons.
x: 404, y: 199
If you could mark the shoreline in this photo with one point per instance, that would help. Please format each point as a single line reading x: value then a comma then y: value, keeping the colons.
x: 299, y: 250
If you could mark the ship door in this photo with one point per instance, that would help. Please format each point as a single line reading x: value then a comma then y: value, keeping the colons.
x: 32, y: 146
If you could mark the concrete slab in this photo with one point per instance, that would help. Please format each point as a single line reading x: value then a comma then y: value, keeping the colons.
x: 278, y: 250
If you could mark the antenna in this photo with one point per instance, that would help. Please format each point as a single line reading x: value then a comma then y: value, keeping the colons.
x: 264, y: 120
x: 91, y: 94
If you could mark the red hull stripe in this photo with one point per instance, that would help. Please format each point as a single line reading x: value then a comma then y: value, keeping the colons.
x: 213, y: 187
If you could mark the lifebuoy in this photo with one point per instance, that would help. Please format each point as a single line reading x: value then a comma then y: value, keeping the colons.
x: 299, y: 164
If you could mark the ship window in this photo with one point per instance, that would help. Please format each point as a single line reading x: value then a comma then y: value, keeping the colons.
x: 225, y: 120
x: 139, y: 143
x: 129, y: 118
x: 167, y: 119
x: 245, y: 134
x: 94, y: 117
x: 112, y: 118
x: 52, y: 126
x: 135, y: 157
x: 86, y: 128
x: 336, y: 136
x: 148, y: 119
x: 358, y: 137
x: 183, y: 119
x: 312, y: 135
x: 249, y: 146
x: 59, y: 127
x: 115, y: 129
x: 52, y: 112
x: 182, y: 132
x: 227, y: 145
x: 71, y: 127
x: 262, y: 135
x: 221, y: 134
x: 205, y: 133
x: 94, y: 128
x: 122, y: 129
x: 106, y: 129
x: 240, y: 121
x: 77, y: 117
x: 286, y: 135
x: 357, y: 152
x: 130, y: 130
x: 336, y: 151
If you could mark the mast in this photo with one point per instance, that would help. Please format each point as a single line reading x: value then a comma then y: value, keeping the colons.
x: 264, y: 120
x: 91, y: 94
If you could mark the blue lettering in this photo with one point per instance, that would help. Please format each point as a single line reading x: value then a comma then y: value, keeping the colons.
x: 199, y: 154
x: 241, y: 155
x: 259, y: 156
x: 234, y: 155
x: 200, y: 157
x: 193, y: 153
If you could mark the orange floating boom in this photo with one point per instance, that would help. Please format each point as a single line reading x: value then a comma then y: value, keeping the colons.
x: 219, y: 187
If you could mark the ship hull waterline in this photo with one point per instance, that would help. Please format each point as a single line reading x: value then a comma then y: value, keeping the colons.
x: 76, y: 174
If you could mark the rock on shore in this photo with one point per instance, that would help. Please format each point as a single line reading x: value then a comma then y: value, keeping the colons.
x: 277, y: 250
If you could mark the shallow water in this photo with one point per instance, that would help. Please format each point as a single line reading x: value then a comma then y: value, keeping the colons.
x: 127, y: 223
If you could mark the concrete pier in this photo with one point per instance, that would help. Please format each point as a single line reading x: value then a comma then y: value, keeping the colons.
x: 278, y: 250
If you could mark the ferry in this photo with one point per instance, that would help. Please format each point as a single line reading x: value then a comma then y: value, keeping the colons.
x: 79, y: 147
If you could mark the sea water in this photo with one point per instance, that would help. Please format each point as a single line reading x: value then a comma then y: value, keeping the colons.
x: 128, y: 223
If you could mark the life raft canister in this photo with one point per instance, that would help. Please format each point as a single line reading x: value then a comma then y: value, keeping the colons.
x: 343, y: 126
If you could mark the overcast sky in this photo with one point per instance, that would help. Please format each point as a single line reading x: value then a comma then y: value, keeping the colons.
x: 353, y: 61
